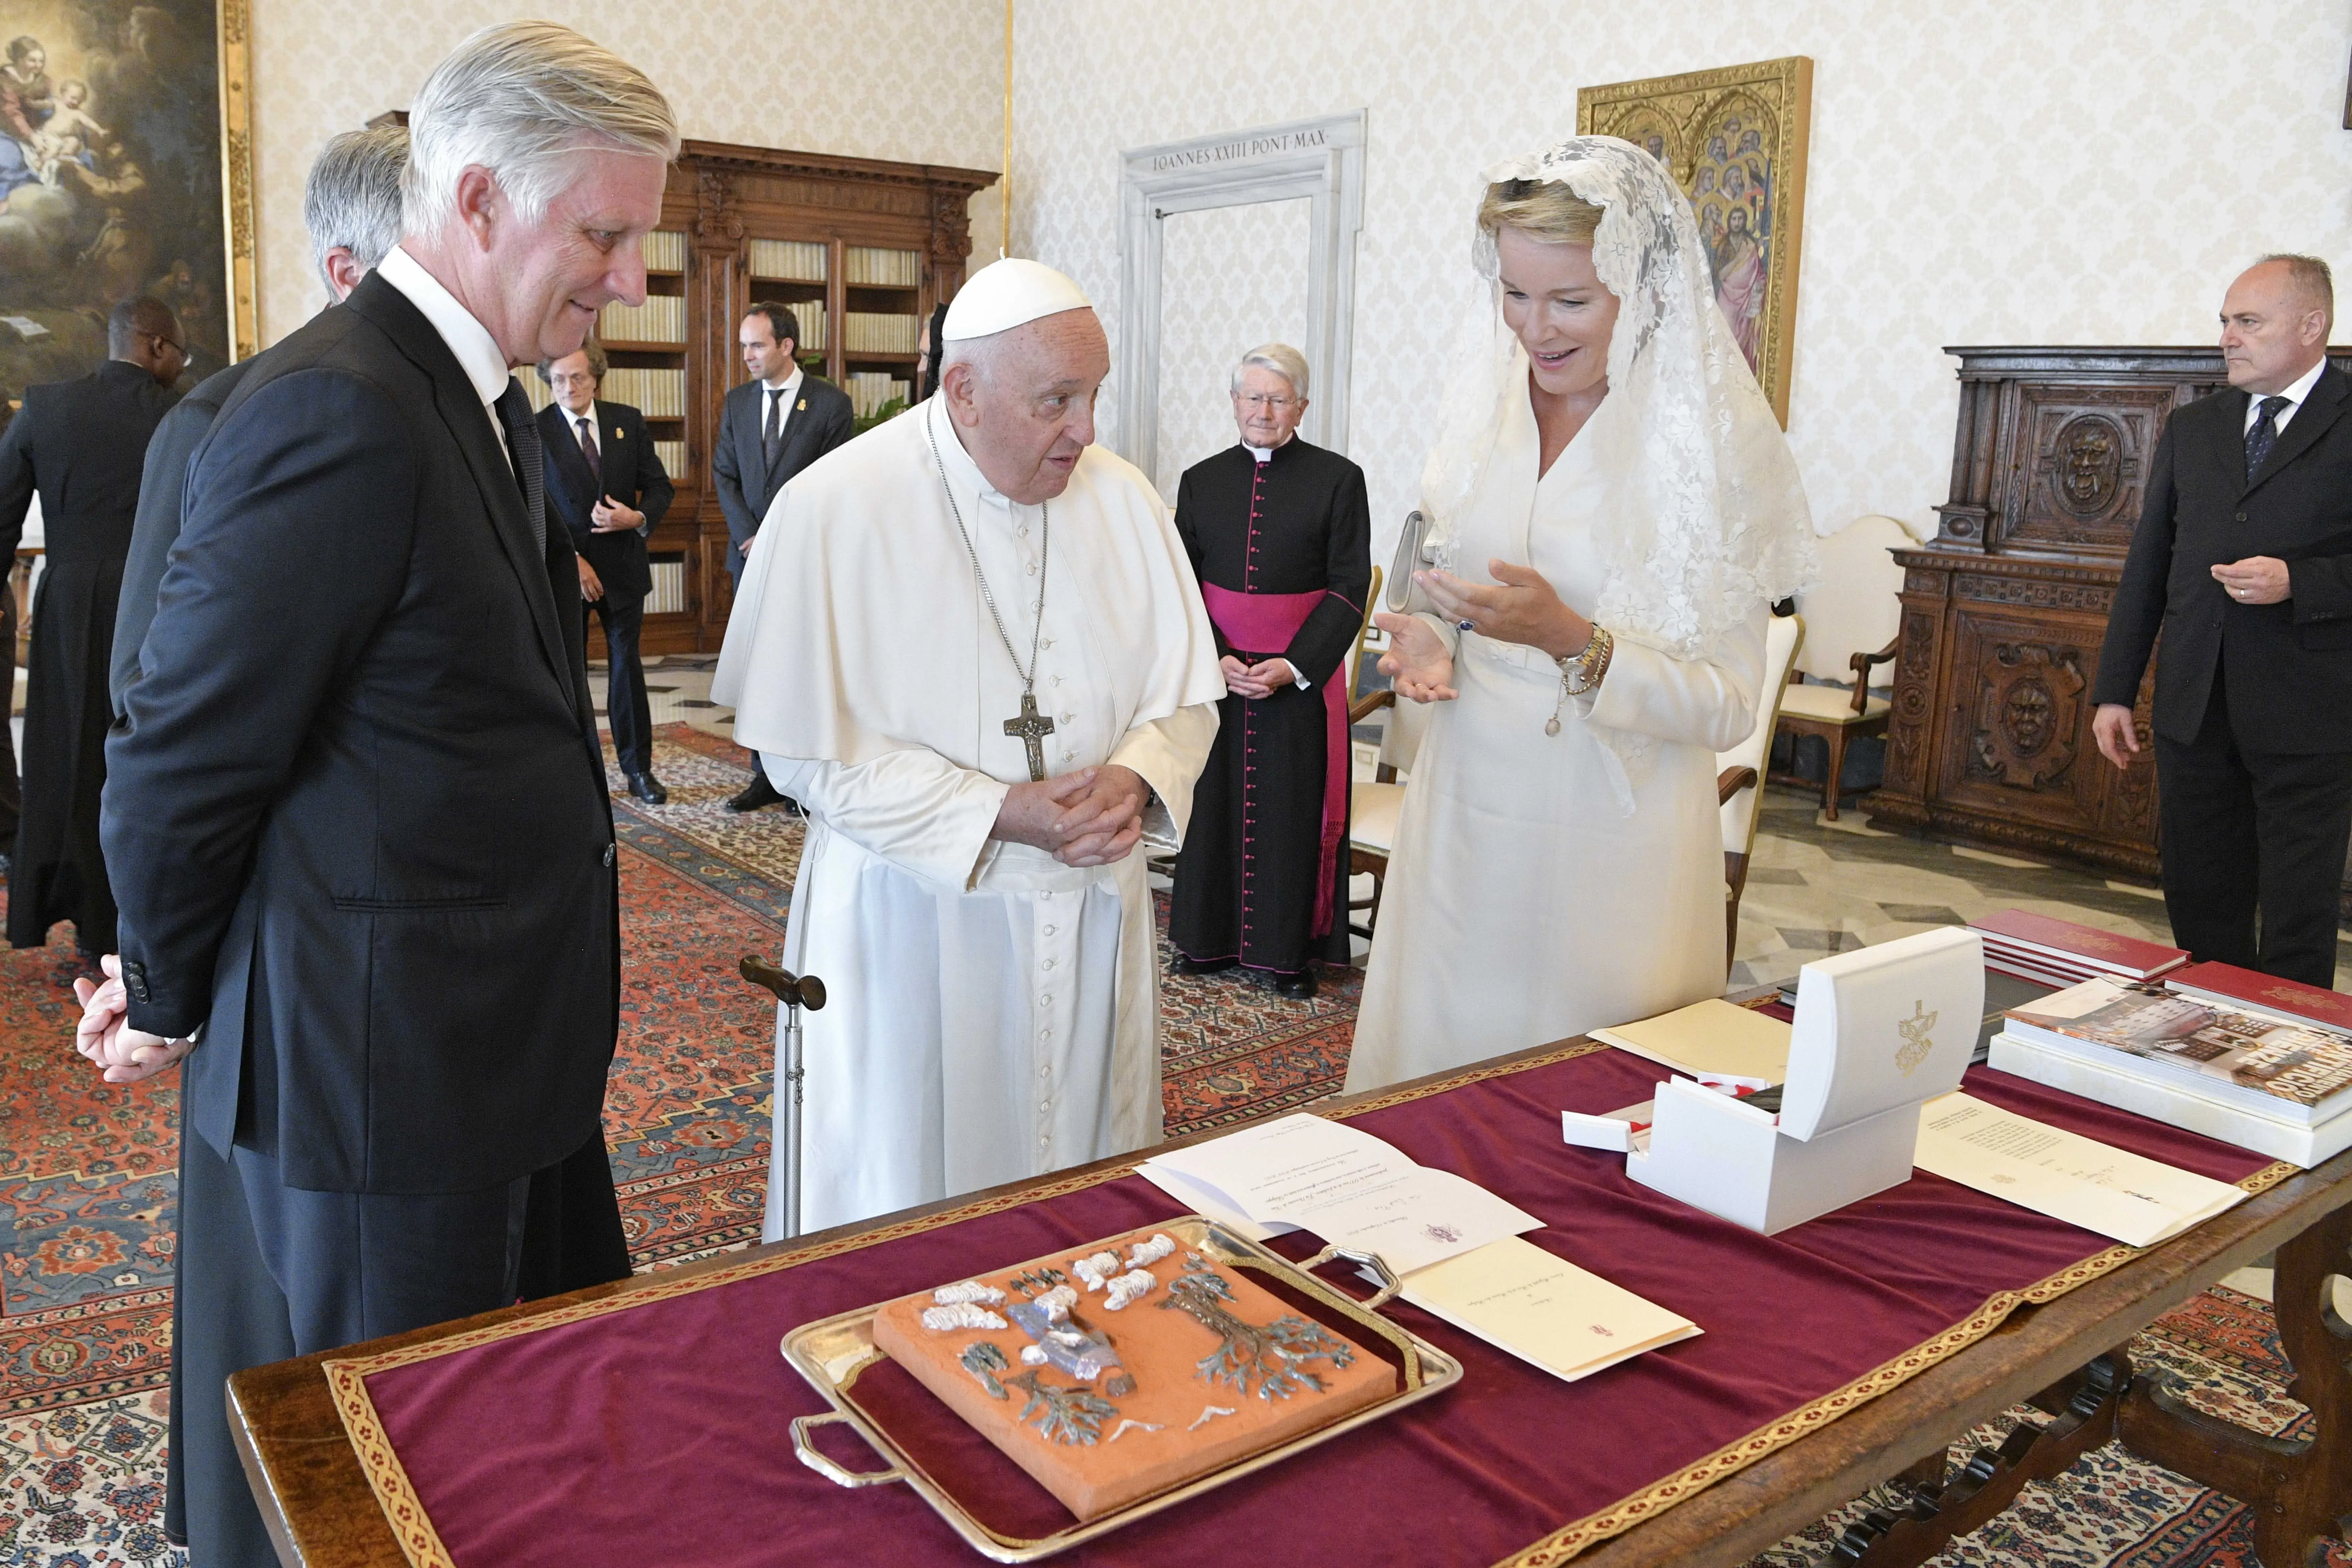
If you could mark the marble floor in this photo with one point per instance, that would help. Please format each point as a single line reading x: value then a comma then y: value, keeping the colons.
x: 1814, y: 886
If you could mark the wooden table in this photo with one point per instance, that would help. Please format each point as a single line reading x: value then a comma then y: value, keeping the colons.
x: 2066, y: 1357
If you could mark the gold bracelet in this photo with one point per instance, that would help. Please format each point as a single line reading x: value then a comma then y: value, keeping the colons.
x: 1581, y: 673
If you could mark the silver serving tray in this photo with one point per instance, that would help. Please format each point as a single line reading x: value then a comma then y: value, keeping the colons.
x: 833, y: 1352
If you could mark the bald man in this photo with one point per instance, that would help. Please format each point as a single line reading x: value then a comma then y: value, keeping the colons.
x: 2243, y: 562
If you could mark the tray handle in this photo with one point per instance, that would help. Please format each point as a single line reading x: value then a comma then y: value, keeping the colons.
x: 825, y: 1467
x: 1390, y: 1283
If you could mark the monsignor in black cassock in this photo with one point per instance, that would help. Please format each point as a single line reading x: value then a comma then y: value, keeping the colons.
x: 1281, y: 549
x: 82, y: 444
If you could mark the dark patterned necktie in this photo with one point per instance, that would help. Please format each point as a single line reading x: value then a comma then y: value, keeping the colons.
x: 588, y: 450
x: 775, y: 428
x: 522, y: 445
x: 2263, y: 434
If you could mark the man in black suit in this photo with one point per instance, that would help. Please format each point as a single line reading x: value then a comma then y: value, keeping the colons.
x: 607, y: 482
x: 350, y: 205
x: 772, y: 427
x: 357, y: 811
x: 79, y: 442
x: 2243, y: 561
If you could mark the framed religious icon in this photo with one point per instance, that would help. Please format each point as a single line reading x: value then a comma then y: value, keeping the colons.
x: 1735, y: 139
x: 126, y: 168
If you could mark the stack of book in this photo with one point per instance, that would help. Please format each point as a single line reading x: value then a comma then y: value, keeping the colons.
x: 2059, y: 952
x: 876, y: 332
x: 792, y: 260
x: 871, y: 392
x: 2272, y: 1073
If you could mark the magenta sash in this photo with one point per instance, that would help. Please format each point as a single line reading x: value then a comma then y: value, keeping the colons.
x: 1264, y: 624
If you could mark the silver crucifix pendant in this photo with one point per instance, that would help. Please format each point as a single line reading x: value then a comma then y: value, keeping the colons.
x: 1032, y: 728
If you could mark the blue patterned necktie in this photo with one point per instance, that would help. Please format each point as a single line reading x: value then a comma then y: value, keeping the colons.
x: 2264, y: 434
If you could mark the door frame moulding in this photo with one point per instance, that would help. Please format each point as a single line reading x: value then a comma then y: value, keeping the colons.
x: 1321, y: 160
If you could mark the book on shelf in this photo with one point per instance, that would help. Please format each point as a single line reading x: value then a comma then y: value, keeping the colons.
x: 875, y: 267
x: 874, y: 333
x: 660, y: 319
x: 870, y: 390
x: 2269, y: 1064
x: 673, y: 457
x: 809, y: 314
x: 655, y: 394
x: 668, y: 595
x: 2064, y: 947
x: 663, y: 250
x: 789, y: 260
x: 2228, y: 983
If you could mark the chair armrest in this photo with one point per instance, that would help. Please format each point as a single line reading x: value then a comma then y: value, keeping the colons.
x: 1860, y: 664
x: 1370, y: 702
x: 1730, y: 782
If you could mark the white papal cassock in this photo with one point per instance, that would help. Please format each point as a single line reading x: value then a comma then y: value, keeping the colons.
x: 990, y: 1014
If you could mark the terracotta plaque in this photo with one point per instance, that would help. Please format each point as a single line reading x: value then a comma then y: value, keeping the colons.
x: 1204, y: 1339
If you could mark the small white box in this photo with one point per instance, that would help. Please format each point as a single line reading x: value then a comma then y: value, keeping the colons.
x: 1878, y: 1032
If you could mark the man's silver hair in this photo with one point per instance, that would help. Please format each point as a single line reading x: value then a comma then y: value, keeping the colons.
x: 1280, y: 358
x: 2311, y: 279
x: 521, y: 100
x: 352, y: 196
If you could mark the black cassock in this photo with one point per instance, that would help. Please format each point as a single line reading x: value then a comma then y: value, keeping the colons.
x: 1281, y: 549
x: 80, y: 444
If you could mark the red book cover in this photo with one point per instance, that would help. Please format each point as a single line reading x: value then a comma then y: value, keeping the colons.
x: 2102, y: 949
x: 2227, y: 980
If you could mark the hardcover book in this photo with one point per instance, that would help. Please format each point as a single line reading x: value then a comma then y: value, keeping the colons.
x: 2025, y: 933
x: 2278, y: 1066
x: 2226, y: 983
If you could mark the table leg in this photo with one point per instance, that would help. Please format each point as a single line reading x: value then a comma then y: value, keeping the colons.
x: 1934, y: 1510
x: 2299, y: 1490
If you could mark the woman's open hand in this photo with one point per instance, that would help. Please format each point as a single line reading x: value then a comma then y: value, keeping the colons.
x: 1523, y: 610
x: 1416, y: 664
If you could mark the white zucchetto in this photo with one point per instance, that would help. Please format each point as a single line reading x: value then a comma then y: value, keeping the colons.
x: 1004, y: 294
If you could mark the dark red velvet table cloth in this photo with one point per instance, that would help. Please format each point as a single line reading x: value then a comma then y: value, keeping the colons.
x: 652, y: 1427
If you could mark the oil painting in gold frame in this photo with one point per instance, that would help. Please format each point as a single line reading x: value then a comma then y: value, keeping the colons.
x: 126, y: 167
x: 1735, y: 139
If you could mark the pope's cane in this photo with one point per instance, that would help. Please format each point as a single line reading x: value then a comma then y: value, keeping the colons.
x: 795, y: 991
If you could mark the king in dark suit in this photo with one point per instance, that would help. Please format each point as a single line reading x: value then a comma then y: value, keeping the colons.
x: 607, y: 482
x: 772, y: 427
x: 79, y: 444
x: 2243, y: 562
x: 356, y: 810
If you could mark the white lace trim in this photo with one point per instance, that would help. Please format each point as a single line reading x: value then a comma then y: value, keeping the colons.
x: 1706, y: 515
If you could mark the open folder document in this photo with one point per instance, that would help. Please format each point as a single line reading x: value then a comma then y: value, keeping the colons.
x: 2137, y: 1201
x: 1456, y: 1245
x: 1346, y: 1186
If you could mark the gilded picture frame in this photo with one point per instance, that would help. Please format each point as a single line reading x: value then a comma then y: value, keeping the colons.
x: 1735, y: 139
x: 126, y: 168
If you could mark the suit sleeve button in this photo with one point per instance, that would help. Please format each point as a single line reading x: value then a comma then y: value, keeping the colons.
x: 2241, y: 517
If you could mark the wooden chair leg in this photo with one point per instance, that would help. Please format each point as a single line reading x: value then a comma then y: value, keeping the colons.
x: 1836, y: 773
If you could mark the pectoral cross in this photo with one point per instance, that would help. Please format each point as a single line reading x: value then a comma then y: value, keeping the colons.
x: 1031, y: 727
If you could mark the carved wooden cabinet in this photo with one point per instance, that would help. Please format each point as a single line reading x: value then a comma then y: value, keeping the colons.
x: 2004, y: 610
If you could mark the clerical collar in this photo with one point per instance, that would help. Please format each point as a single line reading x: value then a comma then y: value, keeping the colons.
x: 477, y: 353
x: 1265, y: 454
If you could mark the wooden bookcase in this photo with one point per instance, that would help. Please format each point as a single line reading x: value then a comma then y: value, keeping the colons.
x: 860, y: 238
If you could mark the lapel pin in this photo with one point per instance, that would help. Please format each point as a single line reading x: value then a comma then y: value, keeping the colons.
x: 802, y: 406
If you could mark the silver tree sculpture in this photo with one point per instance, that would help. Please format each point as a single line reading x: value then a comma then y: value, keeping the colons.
x: 1062, y: 1414
x: 1273, y: 1353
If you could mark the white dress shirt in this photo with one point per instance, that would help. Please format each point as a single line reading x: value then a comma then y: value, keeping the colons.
x: 784, y: 393
x: 477, y: 353
x: 2299, y: 389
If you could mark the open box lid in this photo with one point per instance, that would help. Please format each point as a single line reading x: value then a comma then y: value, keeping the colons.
x: 1881, y: 1027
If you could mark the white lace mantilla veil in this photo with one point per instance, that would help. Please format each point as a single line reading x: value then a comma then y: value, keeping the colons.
x: 1706, y: 517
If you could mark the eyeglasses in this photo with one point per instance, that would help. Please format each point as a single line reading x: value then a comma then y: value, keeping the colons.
x: 1268, y: 403
x: 162, y: 342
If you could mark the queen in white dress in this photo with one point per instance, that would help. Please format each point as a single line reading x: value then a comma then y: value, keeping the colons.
x: 1612, y: 510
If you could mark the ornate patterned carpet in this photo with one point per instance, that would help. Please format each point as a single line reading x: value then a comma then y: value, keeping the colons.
x: 88, y: 1172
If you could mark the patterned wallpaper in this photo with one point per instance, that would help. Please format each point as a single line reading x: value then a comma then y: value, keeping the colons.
x: 914, y: 79
x: 2002, y: 171
x: 1243, y: 271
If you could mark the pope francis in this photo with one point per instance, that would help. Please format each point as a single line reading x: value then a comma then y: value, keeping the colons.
x: 970, y: 644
